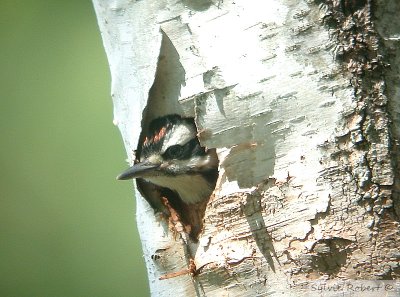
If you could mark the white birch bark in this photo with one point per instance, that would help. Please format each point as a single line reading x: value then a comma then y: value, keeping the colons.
x: 308, y: 160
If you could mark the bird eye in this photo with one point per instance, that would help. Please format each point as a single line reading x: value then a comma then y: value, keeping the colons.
x: 174, y: 152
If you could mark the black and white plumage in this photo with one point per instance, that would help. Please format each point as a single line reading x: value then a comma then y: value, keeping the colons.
x: 171, y: 156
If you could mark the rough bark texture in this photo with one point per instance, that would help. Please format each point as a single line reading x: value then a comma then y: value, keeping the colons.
x: 362, y: 163
x: 301, y: 101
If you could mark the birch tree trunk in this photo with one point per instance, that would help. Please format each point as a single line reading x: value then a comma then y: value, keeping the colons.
x: 301, y: 100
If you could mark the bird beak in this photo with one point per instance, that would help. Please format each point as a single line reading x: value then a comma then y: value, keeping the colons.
x: 141, y: 169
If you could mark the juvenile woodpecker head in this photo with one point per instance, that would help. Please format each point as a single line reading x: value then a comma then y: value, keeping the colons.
x: 171, y: 156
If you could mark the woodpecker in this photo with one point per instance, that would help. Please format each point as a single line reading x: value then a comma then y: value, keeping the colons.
x: 171, y: 157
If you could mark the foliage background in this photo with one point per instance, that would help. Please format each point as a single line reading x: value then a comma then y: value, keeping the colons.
x: 67, y: 227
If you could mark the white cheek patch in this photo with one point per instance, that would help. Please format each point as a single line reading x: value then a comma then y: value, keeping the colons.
x: 181, y: 135
x: 201, y: 162
x: 190, y: 188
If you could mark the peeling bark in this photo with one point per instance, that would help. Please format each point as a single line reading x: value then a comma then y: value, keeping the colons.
x: 301, y: 101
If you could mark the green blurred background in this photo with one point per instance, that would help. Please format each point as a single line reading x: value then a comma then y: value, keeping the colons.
x: 67, y: 227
